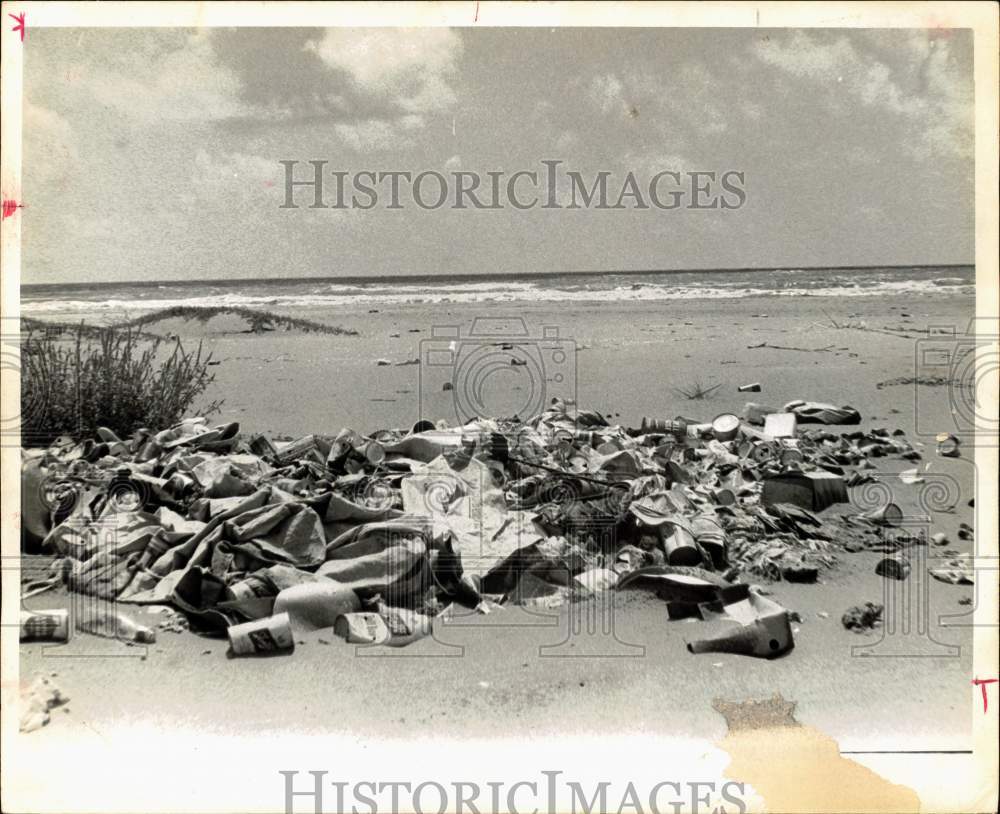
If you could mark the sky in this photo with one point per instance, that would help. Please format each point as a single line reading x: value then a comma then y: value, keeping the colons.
x: 153, y: 154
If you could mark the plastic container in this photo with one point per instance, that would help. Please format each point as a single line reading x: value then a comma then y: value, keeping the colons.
x: 888, y: 515
x: 767, y: 637
x: 45, y: 625
x: 314, y: 605
x: 681, y: 548
x: 725, y: 427
x: 272, y: 634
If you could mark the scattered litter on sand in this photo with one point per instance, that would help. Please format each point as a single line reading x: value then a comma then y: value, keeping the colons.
x: 38, y: 699
x: 377, y: 537
x: 956, y: 571
x: 862, y: 618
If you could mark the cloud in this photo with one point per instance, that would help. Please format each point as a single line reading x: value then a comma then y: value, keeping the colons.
x: 917, y: 79
x: 409, y: 68
x: 374, y: 134
x: 685, y: 100
x: 152, y: 85
x: 49, y: 146
x: 605, y: 91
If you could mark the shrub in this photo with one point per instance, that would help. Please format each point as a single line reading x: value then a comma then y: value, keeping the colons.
x: 696, y: 391
x: 77, y: 379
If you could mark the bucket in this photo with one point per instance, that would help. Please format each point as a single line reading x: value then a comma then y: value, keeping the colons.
x: 681, y: 548
x: 45, y: 625
x: 725, y: 427
x: 270, y: 635
x: 314, y: 605
x: 888, y: 515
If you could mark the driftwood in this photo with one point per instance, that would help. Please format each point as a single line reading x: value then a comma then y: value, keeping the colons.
x: 827, y: 349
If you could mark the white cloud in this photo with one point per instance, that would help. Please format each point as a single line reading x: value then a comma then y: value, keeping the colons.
x: 606, y: 92
x: 409, y: 67
x: 229, y: 182
x: 49, y: 145
x: 372, y: 134
x: 181, y: 85
x: 937, y: 108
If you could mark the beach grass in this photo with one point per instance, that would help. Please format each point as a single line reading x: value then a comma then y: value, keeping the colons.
x: 696, y: 391
x: 257, y: 321
x: 76, y: 380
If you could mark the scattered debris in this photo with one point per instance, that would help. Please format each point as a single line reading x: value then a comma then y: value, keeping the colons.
x: 863, y: 618
x: 113, y: 624
x: 929, y: 381
x: 786, y: 347
x: 556, y: 508
x: 174, y: 622
x: 45, y: 625
x: 956, y: 571
x: 895, y: 567
x: 38, y: 699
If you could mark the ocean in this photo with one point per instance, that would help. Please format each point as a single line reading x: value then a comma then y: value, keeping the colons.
x: 109, y: 301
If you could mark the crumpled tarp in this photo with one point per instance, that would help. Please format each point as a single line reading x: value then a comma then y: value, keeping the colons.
x: 541, y: 511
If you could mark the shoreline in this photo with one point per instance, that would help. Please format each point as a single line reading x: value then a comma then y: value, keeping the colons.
x: 484, y: 277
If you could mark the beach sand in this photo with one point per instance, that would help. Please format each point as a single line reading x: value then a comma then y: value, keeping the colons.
x: 631, y: 360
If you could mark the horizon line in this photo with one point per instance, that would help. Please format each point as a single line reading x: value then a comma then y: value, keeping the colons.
x: 484, y: 276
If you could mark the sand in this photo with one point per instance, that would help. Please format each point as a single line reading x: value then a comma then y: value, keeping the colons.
x: 630, y: 361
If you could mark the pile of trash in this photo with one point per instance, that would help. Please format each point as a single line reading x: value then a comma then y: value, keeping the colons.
x: 377, y: 536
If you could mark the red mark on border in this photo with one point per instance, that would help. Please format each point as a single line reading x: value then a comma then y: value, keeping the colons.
x: 982, y: 682
x: 938, y: 28
x: 10, y: 207
x: 20, y: 27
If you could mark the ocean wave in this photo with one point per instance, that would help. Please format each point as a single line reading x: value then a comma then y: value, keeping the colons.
x: 358, y: 296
